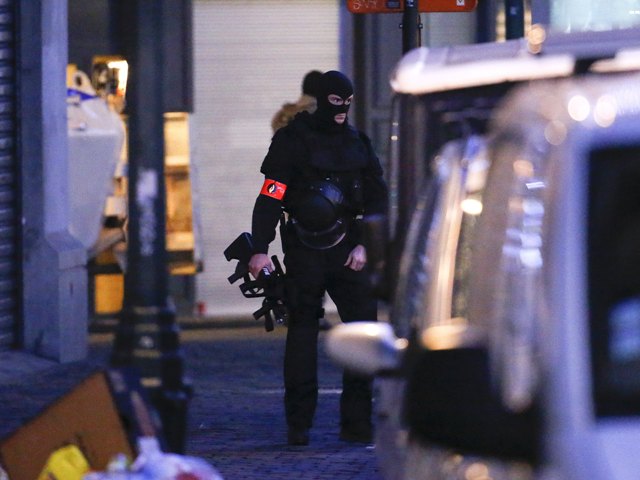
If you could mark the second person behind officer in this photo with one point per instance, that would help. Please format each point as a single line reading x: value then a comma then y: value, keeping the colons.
x: 306, y: 103
x: 324, y: 175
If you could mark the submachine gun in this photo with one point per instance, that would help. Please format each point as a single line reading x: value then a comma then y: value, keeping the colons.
x: 269, y: 285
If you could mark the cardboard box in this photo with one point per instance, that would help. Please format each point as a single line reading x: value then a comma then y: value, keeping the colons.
x: 87, y: 417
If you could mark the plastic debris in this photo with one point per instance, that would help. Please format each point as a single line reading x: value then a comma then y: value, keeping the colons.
x: 66, y: 463
x: 154, y: 464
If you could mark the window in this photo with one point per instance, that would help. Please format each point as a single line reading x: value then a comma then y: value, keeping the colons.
x: 614, y: 279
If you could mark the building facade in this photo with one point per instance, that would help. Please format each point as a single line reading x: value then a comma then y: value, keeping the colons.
x: 43, y: 268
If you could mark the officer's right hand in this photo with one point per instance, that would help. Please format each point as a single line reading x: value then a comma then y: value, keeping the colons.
x: 259, y: 261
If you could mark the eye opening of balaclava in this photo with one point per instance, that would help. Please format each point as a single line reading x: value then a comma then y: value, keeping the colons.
x: 336, y: 83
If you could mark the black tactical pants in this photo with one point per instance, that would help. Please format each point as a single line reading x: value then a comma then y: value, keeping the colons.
x: 309, y: 274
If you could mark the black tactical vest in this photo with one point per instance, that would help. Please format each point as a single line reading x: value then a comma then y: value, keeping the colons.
x: 324, y: 203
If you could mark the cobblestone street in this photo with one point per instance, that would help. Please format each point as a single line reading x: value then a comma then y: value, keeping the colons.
x: 236, y: 417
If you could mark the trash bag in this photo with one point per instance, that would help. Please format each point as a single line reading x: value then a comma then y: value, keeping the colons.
x: 153, y: 464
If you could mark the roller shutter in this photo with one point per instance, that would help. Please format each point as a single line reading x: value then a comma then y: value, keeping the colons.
x: 9, y: 255
x: 249, y: 58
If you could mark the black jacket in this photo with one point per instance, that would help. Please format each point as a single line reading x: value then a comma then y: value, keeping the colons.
x: 302, y: 152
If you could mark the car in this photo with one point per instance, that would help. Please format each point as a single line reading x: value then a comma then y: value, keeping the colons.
x: 513, y: 341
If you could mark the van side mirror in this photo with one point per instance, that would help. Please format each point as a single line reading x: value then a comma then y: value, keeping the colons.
x: 368, y: 348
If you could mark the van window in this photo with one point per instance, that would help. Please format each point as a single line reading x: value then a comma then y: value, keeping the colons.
x: 614, y: 279
x: 432, y: 298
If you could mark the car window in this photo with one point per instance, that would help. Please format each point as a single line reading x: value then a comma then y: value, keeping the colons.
x: 432, y: 295
x: 614, y: 279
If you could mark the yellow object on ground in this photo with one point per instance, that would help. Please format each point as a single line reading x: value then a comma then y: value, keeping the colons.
x: 66, y: 463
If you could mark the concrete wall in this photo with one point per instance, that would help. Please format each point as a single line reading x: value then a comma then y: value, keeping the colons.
x: 54, y: 286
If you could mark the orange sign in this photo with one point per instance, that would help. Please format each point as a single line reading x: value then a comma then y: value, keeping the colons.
x: 425, y: 6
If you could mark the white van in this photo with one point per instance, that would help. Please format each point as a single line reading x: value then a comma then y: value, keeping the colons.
x: 513, y: 348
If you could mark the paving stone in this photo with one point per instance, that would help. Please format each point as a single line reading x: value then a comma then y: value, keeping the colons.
x: 236, y: 416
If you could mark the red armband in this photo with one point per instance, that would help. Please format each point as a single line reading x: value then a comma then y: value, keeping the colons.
x: 273, y: 189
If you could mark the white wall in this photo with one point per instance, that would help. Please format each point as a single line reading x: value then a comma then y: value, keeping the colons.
x: 249, y: 58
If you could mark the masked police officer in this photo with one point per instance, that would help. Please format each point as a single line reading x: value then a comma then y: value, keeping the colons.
x: 321, y: 177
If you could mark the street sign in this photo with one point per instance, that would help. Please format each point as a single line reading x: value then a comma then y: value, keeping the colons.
x: 397, y: 6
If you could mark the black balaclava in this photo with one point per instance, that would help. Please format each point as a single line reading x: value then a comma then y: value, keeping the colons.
x: 332, y: 82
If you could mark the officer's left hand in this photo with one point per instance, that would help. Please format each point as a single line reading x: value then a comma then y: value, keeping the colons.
x: 357, y: 259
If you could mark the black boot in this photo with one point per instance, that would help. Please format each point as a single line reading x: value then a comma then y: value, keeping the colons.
x: 298, y: 436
